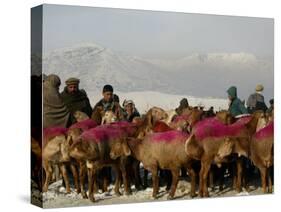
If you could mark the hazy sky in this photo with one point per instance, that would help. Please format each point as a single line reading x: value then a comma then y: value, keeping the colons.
x: 155, y: 34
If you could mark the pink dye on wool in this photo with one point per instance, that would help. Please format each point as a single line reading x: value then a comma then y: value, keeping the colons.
x: 212, y: 127
x: 181, y: 118
x: 54, y: 131
x: 243, y: 120
x: 266, y: 132
x: 169, y: 136
x: 129, y: 128
x: 102, y: 134
x: 161, y: 126
x: 84, y: 125
x: 122, y: 124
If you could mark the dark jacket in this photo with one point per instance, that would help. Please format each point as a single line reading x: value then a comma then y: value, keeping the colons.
x: 236, y: 107
x: 256, y: 102
x: 106, y: 105
x: 77, y: 101
x: 132, y: 116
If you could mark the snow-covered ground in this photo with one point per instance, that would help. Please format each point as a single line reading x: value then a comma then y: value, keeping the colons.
x: 56, y: 196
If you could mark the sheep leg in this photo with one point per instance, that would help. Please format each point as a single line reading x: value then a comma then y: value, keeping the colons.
x: 263, y: 178
x: 56, y: 172
x: 205, y: 167
x: 117, y: 180
x: 211, y: 178
x: 82, y: 174
x: 125, y: 180
x: 155, y: 181
x: 48, y: 170
x: 175, y: 175
x: 136, y: 170
x: 205, y: 177
x: 239, y: 174
x: 105, y: 172
x: 75, y: 176
x: 234, y: 175
x: 192, y: 175
x: 201, y: 182
x: 90, y: 184
x: 269, y: 180
x: 95, y: 182
x: 65, y: 177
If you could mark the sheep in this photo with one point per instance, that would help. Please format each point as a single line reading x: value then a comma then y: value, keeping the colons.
x: 261, y: 154
x: 166, y: 151
x: 100, y: 147
x: 55, y: 151
x: 56, y: 144
x: 80, y: 116
x: 207, y: 137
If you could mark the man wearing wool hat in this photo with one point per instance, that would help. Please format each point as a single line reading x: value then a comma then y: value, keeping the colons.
x: 256, y: 100
x: 74, y: 98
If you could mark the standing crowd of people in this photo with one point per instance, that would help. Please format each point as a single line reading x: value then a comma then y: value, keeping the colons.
x: 59, y: 107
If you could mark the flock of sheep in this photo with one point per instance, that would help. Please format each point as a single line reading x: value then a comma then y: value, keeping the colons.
x: 164, y: 143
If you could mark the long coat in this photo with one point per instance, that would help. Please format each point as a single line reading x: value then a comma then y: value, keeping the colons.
x: 55, y: 113
x: 236, y: 107
x: 77, y: 101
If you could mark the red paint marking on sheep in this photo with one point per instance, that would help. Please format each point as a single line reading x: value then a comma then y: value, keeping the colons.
x: 212, y: 127
x: 129, y: 128
x: 169, y: 136
x: 103, y: 134
x: 161, y: 127
x: 54, y: 131
x: 266, y: 132
x: 181, y: 118
x: 243, y: 120
x: 84, y: 125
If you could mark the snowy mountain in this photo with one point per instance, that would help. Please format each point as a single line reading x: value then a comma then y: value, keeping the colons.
x: 194, y: 75
x: 211, y: 74
x: 97, y: 66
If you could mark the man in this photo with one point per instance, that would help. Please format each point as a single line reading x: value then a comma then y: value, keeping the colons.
x: 74, y: 98
x: 256, y: 100
x: 235, y: 105
x: 183, y: 104
x: 55, y: 112
x: 130, y: 109
x: 107, y: 102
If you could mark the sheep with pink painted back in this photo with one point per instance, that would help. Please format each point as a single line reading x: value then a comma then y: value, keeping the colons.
x: 210, y: 136
x: 55, y: 151
x: 261, y: 154
x: 163, y: 150
x: 101, y: 147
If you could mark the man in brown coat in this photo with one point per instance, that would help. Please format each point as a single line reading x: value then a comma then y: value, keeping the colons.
x: 74, y: 98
